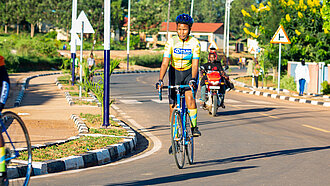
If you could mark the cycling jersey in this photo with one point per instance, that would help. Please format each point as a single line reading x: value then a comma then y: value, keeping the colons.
x: 181, y: 53
x: 4, y: 81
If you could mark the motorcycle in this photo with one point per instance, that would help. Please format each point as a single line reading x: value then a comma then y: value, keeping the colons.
x: 215, y: 93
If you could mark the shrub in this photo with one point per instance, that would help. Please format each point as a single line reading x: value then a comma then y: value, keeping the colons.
x: 287, y: 82
x: 152, y: 61
x: 325, y: 87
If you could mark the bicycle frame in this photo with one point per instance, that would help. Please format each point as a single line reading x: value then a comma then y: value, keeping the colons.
x: 180, y: 106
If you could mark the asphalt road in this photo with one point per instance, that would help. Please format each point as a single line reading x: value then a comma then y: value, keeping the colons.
x: 254, y: 141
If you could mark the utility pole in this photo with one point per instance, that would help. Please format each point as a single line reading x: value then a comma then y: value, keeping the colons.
x: 73, y: 40
x: 128, y: 32
x: 168, y: 18
x: 191, y: 8
x: 225, y: 31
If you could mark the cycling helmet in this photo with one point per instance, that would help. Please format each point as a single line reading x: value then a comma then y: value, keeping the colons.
x: 184, y: 19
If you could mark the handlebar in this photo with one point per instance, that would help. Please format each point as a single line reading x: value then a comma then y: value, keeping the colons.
x: 176, y: 87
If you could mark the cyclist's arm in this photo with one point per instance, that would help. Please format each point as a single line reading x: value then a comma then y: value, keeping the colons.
x: 4, y: 83
x: 164, y: 67
x: 194, y: 66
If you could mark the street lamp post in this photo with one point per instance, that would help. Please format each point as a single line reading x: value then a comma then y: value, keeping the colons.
x: 106, y: 85
x: 128, y: 32
x: 192, y: 8
x: 168, y: 18
x: 73, y: 40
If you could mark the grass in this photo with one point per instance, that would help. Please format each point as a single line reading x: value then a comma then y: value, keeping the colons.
x: 80, y: 102
x: 64, y: 80
x: 110, y: 131
x: 96, y: 120
x: 74, y: 147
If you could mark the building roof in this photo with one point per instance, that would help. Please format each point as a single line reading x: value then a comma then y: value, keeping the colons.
x: 197, y: 27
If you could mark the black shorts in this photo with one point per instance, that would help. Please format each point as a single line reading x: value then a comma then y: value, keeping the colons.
x: 178, y: 78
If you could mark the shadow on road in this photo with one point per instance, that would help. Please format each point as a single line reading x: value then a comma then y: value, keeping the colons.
x: 236, y: 112
x: 186, y: 176
x: 259, y: 156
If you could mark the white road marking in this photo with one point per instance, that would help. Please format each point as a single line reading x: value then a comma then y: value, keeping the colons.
x: 135, y: 97
x: 316, y: 128
x: 158, y: 101
x: 231, y: 101
x: 130, y: 101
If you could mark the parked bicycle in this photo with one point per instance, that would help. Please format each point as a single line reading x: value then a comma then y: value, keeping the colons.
x: 181, y: 134
x: 16, y: 141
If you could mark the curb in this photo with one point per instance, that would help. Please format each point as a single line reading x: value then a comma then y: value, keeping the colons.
x: 25, y: 85
x: 91, y: 158
x: 288, y: 98
x: 69, y: 99
x: 277, y: 96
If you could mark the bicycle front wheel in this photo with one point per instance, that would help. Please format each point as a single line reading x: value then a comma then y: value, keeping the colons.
x: 178, y: 147
x: 18, y: 149
x: 189, y: 142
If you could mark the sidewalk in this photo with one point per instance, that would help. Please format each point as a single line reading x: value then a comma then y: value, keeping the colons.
x: 44, y: 108
x: 308, y: 98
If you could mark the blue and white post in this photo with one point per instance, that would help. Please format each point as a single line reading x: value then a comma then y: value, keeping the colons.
x: 73, y: 40
x: 106, y: 93
x: 128, y: 32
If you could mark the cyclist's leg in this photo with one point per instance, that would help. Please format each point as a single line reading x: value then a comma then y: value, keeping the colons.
x: 3, y: 172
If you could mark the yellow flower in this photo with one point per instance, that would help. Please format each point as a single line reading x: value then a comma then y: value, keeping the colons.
x: 291, y: 2
x: 261, y: 6
x: 297, y: 32
x: 254, y: 9
x: 287, y: 17
x: 246, y: 30
x: 313, y: 20
x: 245, y: 13
x: 326, y: 31
x: 314, y: 10
x: 269, y: 3
x: 310, y: 3
x: 300, y: 15
x: 267, y: 8
x: 247, y: 25
x: 316, y: 2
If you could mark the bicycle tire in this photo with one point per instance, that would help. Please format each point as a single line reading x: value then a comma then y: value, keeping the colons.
x: 20, y: 143
x: 214, y: 105
x: 178, y: 147
x: 189, y: 141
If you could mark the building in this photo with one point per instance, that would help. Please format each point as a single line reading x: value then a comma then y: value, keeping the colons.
x: 203, y: 31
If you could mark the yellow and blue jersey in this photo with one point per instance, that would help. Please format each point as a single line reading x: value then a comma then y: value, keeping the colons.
x: 182, y: 53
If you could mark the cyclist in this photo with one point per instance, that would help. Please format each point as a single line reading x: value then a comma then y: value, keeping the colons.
x: 182, y: 54
x: 4, y: 84
x: 212, y: 65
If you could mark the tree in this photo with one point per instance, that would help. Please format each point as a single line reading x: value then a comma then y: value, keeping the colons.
x: 5, y: 16
x: 40, y: 9
x: 236, y: 20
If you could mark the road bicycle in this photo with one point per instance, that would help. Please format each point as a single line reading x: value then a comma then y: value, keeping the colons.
x: 181, y: 134
x: 17, y: 141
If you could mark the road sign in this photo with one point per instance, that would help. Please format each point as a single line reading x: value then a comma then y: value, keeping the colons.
x: 213, y: 45
x: 75, y: 37
x: 77, y: 27
x: 280, y: 36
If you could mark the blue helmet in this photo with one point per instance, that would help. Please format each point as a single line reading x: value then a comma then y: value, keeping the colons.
x: 184, y: 19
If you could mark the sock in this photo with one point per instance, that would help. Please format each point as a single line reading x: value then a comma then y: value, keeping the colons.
x: 193, y: 117
x: 2, y: 159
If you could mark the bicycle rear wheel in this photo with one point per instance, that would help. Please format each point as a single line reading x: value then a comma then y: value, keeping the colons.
x: 189, y: 142
x: 17, y: 143
x: 178, y: 146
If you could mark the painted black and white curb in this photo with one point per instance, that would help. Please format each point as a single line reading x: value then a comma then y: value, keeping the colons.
x: 95, y: 99
x: 293, y: 99
x: 91, y: 158
x: 25, y: 85
x: 80, y: 124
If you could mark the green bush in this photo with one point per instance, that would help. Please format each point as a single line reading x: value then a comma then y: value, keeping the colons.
x: 152, y: 61
x: 325, y: 87
x: 287, y: 82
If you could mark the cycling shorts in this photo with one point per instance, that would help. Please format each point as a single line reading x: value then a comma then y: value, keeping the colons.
x: 177, y: 77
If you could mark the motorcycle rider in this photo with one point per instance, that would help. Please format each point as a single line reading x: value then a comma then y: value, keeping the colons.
x: 212, y: 65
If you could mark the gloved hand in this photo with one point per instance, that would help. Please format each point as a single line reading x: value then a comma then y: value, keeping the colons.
x: 159, y: 83
x: 1, y: 106
x: 193, y: 83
